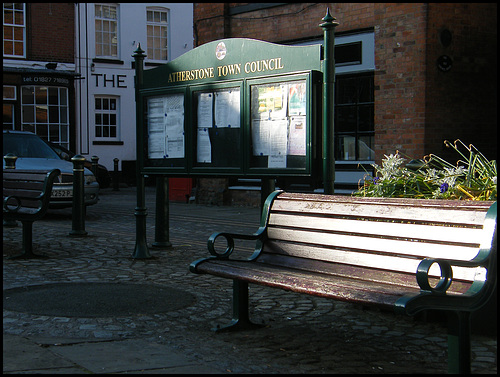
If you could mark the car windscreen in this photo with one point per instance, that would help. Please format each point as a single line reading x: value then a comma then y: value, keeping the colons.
x: 27, y: 146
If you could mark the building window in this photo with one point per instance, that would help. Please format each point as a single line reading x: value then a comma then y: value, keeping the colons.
x: 106, y: 31
x: 354, y: 117
x: 9, y: 94
x: 14, y: 30
x: 157, y: 32
x: 45, y: 112
x: 106, y: 118
x: 8, y: 116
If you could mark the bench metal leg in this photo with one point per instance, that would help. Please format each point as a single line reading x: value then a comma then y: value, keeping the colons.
x: 459, y: 343
x: 27, y: 243
x: 241, y: 320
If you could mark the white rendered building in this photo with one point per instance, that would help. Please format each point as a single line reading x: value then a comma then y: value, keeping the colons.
x: 106, y: 36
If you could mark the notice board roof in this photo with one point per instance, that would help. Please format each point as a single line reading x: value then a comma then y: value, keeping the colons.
x: 232, y: 59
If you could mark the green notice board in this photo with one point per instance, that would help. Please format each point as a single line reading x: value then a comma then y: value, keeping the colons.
x: 235, y: 106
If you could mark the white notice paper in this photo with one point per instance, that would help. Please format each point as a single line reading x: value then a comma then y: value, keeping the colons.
x: 205, y: 109
x: 297, y: 136
x: 260, y: 137
x: 204, y: 149
x: 227, y: 108
x: 156, y: 128
x: 174, y: 126
x: 278, y: 143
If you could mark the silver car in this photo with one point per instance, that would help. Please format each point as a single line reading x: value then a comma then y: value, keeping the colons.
x: 34, y: 154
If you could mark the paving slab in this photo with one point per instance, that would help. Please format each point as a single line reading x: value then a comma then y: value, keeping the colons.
x: 21, y: 355
x: 127, y: 356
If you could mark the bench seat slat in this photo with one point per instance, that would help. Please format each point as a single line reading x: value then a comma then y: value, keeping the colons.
x: 274, y: 250
x: 391, y: 229
x: 419, y: 214
x: 374, y: 244
x: 341, y: 288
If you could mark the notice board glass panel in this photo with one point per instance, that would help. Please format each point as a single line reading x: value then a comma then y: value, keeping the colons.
x: 217, y: 120
x: 165, y: 130
x: 278, y: 125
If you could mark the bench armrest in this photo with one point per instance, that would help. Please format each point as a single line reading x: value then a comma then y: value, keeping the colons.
x: 260, y: 235
x: 230, y: 237
x: 7, y: 202
x: 446, y: 278
x: 483, y: 287
x: 423, y: 276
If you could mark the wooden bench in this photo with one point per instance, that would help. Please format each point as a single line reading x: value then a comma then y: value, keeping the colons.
x: 26, y: 196
x: 407, y: 255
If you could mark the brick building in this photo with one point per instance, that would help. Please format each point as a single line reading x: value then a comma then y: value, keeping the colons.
x: 408, y: 75
x: 39, y: 69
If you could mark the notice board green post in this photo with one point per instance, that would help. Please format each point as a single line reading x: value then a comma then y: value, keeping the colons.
x: 237, y: 107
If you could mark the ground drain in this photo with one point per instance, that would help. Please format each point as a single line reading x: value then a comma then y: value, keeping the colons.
x: 95, y: 299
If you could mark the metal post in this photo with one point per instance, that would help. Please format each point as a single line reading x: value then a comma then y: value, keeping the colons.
x: 162, y: 232
x: 328, y: 26
x: 116, y: 182
x: 94, y: 160
x: 78, y: 213
x: 141, y: 250
x: 10, y: 163
x: 459, y: 346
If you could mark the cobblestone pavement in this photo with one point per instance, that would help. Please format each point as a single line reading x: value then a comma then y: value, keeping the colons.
x: 303, y: 334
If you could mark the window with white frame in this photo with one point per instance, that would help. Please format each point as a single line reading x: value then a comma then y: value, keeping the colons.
x: 157, y: 33
x: 106, y: 31
x: 106, y: 118
x: 45, y: 112
x: 14, y: 30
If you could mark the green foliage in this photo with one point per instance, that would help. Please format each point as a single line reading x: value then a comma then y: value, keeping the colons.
x: 473, y: 177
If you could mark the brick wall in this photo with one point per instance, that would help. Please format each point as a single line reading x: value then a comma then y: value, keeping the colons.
x: 400, y: 30
x: 51, y: 28
x: 277, y: 24
x: 208, y: 21
x: 462, y: 102
x: 211, y: 191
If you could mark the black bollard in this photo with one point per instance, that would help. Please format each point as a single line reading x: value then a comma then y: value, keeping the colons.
x: 78, y: 213
x: 10, y: 163
x: 116, y: 182
x: 94, y: 160
x: 162, y: 231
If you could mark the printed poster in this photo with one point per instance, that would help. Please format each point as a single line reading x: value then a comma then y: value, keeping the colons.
x: 166, y: 127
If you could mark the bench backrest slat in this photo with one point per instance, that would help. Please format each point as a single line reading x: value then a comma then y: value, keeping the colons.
x: 359, y: 258
x: 420, y: 248
x: 376, y: 234
x: 410, y: 213
x: 390, y: 229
